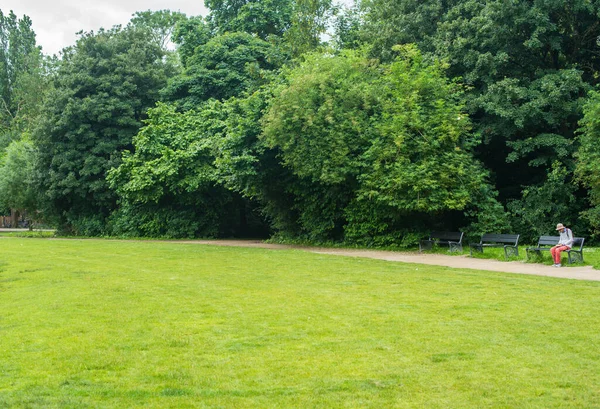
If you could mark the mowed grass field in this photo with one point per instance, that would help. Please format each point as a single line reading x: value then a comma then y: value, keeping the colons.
x: 126, y: 324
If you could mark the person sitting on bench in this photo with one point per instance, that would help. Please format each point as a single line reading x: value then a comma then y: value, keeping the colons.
x: 565, y: 242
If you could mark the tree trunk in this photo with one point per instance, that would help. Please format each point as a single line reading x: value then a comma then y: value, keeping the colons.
x: 14, y: 218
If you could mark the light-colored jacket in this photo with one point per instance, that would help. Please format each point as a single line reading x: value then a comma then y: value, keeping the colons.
x: 566, y: 238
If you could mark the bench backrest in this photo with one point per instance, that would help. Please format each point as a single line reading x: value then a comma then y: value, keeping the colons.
x: 553, y: 241
x: 500, y: 238
x: 548, y: 241
x: 456, y: 236
x: 578, y: 242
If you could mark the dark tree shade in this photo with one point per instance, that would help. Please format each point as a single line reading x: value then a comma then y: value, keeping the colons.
x: 103, y: 88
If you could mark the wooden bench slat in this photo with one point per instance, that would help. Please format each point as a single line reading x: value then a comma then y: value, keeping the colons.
x: 446, y: 235
x: 499, y: 238
x: 544, y: 243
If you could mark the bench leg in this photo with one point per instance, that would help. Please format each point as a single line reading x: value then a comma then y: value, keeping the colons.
x: 455, y: 247
x: 478, y: 249
x: 511, y: 251
x: 575, y: 257
x: 538, y: 254
x: 425, y: 245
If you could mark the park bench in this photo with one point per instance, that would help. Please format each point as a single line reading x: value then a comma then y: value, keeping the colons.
x: 545, y: 243
x: 447, y: 238
x: 510, y: 242
x: 575, y: 254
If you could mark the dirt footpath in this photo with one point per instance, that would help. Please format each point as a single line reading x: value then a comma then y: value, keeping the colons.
x: 516, y: 267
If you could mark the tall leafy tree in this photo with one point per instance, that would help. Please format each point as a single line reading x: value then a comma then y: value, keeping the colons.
x: 527, y: 75
x: 167, y: 186
x: 225, y: 66
x: 348, y: 26
x: 23, y: 84
x: 310, y: 21
x: 372, y: 145
x: 189, y: 34
x: 263, y: 18
x: 17, y: 175
x: 160, y: 25
x: 20, y: 64
x: 588, y: 163
x: 301, y: 22
x: 103, y: 87
x: 387, y: 23
x: 528, y: 65
x: 171, y: 186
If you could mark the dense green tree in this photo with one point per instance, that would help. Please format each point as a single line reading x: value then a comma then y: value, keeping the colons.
x: 372, y: 145
x: 588, y: 163
x: 160, y: 24
x: 17, y: 43
x: 103, y: 87
x: 225, y: 66
x: 17, y: 174
x: 541, y: 207
x: 189, y: 34
x: 172, y: 153
x: 263, y: 18
x: 321, y: 120
x: 301, y: 22
x: 387, y: 23
x: 23, y: 84
x: 528, y: 64
x: 170, y: 186
x: 348, y: 27
x: 246, y: 165
x: 527, y: 79
x: 310, y: 21
x: 20, y: 76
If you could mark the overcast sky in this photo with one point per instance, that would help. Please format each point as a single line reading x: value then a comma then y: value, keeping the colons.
x: 56, y: 22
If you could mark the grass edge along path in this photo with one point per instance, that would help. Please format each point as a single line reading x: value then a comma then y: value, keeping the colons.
x: 489, y: 263
x: 111, y: 324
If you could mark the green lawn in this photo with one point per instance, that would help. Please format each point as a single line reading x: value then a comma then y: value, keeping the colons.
x: 116, y: 324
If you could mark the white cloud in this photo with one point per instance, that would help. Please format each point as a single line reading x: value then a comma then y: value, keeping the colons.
x: 55, y: 23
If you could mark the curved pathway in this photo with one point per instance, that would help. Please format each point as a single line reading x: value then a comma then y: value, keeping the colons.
x: 516, y: 267
x: 464, y: 261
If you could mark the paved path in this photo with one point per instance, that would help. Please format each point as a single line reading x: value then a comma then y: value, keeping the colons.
x: 516, y: 267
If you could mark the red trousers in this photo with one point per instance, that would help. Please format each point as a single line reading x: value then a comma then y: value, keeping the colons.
x: 555, y: 251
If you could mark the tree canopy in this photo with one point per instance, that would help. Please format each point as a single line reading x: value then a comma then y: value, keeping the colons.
x: 20, y: 62
x: 372, y: 144
x: 103, y: 87
x: 223, y: 67
x: 307, y: 120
